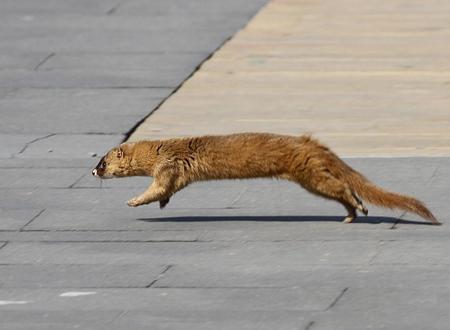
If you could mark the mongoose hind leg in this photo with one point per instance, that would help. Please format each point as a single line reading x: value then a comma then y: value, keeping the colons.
x: 329, y: 187
x: 351, y: 216
x: 360, y: 205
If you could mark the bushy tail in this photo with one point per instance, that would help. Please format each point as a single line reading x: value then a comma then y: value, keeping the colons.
x: 373, y: 194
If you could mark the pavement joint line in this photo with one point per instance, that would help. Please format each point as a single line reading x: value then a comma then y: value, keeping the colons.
x: 165, y: 270
x: 92, y: 133
x: 82, y: 133
x: 87, y: 87
x: 32, y: 219
x: 197, y: 287
x: 133, y: 52
x: 76, y: 181
x: 122, y: 241
x: 43, y: 61
x: 394, y: 225
x: 33, y: 141
x: 336, y: 300
x: 76, y: 230
x: 310, y: 325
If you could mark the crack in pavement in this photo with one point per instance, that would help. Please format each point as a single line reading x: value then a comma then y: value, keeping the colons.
x: 377, y: 252
x: 160, y: 275
x: 33, y: 141
x: 336, y: 300
x: 433, y: 175
x: 4, y: 244
x: 41, y: 63
x: 309, y: 325
x: 238, y: 197
x: 113, y: 9
x: 118, y: 316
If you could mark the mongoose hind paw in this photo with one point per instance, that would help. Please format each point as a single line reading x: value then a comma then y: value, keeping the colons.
x: 363, y: 209
x: 349, y: 219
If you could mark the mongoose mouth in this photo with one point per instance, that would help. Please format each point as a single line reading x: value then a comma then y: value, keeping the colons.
x: 101, y: 175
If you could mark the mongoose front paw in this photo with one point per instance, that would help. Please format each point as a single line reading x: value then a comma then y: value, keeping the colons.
x: 163, y: 203
x: 134, y: 202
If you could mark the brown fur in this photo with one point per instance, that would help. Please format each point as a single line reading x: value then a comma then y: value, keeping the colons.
x: 175, y: 163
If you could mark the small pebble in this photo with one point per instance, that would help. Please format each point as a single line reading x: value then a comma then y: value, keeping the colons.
x: 93, y: 154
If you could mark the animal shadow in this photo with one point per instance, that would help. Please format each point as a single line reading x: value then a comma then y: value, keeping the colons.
x: 284, y: 218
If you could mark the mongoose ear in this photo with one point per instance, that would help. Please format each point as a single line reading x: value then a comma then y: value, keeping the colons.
x: 120, y: 153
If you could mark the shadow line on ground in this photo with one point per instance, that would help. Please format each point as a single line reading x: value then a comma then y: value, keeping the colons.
x: 284, y: 218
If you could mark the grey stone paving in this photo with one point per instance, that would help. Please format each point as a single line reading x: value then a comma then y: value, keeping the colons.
x: 75, y: 76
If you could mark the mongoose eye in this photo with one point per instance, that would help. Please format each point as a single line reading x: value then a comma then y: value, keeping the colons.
x: 103, y: 165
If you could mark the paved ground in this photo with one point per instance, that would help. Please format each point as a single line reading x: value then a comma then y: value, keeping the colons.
x: 75, y: 77
x: 369, y: 78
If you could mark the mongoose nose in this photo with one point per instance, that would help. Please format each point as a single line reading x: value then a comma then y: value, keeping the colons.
x: 94, y: 172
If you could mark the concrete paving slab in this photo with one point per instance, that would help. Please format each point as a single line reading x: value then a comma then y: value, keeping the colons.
x: 101, y: 235
x: 126, y: 61
x: 14, y: 319
x: 87, y: 78
x: 36, y: 178
x: 108, y: 110
x: 270, y: 77
x: 369, y: 277
x: 201, y: 253
x: 23, y: 8
x: 12, y: 144
x: 21, y: 61
x: 43, y: 163
x: 16, y: 219
x: 162, y: 8
x: 422, y: 308
x: 71, y: 146
x: 65, y: 199
x: 150, y: 22
x: 117, y: 41
x: 220, y: 320
x: 79, y: 276
x: 194, y: 301
x: 220, y: 198
x: 424, y: 253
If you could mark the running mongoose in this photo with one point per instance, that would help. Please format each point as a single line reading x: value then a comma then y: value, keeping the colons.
x: 175, y: 163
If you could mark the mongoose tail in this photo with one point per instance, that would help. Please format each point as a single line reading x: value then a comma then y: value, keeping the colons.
x: 378, y: 196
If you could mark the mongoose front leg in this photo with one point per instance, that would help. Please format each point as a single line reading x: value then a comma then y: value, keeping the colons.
x: 152, y: 194
x: 163, y: 202
x: 160, y: 190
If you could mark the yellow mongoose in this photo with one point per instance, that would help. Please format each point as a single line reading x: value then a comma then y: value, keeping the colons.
x: 175, y: 163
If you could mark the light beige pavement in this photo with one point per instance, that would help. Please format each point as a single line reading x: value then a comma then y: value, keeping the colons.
x: 369, y: 78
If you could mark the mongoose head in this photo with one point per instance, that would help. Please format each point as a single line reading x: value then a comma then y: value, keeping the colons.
x: 115, y: 164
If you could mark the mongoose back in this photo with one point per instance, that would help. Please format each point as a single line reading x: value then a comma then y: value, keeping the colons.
x: 175, y: 163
